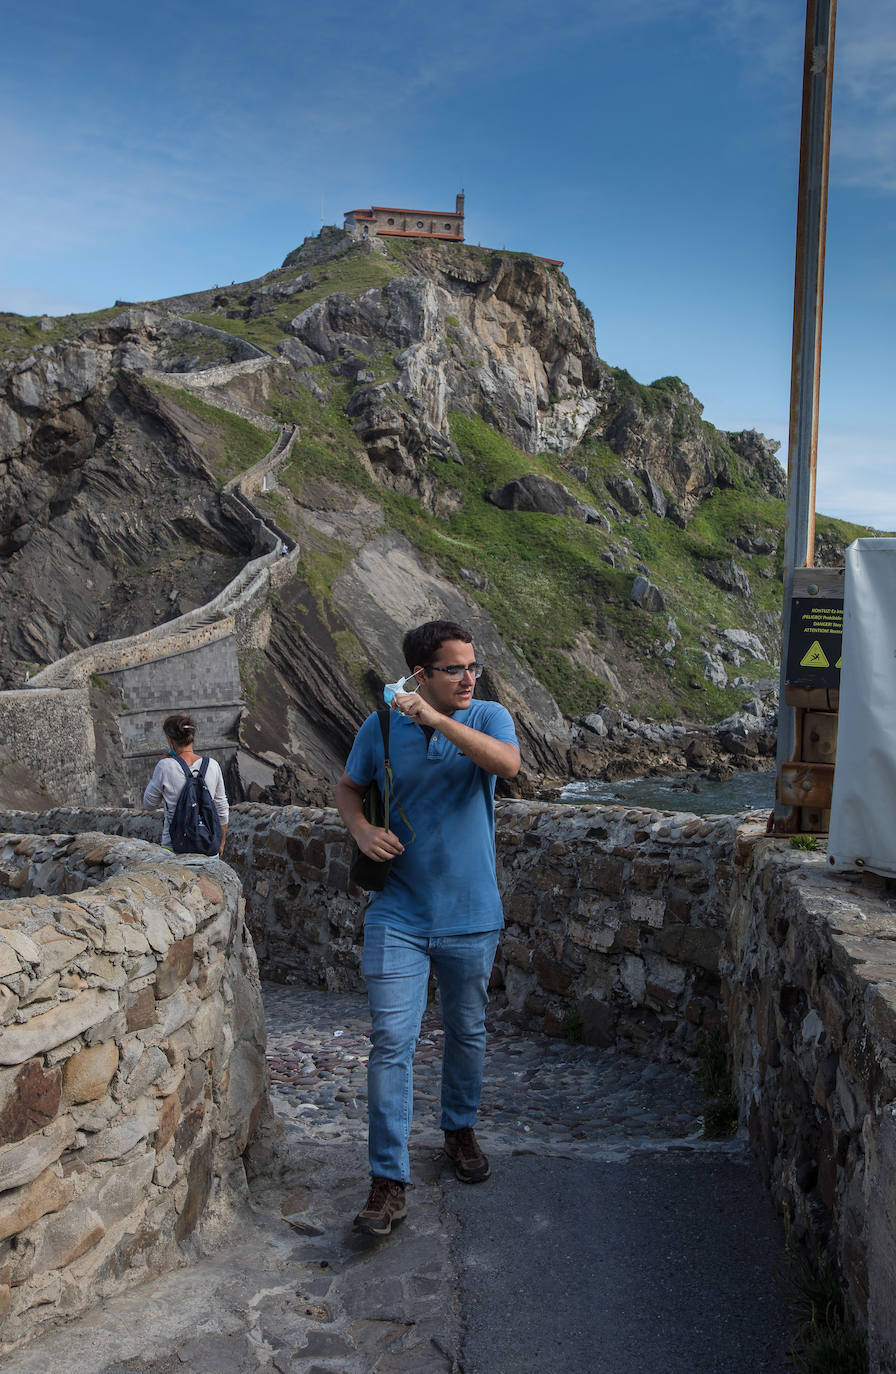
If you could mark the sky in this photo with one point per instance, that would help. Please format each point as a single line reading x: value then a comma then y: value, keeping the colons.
x: 653, y: 145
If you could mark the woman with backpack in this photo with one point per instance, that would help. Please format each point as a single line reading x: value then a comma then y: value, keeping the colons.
x: 190, y: 790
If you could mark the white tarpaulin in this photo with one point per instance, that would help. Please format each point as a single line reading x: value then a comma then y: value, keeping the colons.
x: 863, y: 810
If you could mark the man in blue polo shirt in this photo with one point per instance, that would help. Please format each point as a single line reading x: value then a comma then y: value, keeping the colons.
x: 440, y: 904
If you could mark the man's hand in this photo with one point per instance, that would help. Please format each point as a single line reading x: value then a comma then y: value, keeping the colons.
x: 372, y: 840
x: 376, y: 842
x: 411, y: 704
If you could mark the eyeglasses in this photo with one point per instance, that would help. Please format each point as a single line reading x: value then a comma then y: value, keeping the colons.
x: 459, y: 670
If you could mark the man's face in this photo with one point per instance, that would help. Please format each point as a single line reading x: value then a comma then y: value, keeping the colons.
x: 439, y: 689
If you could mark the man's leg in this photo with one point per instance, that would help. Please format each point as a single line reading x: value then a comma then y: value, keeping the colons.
x: 396, y: 971
x: 463, y: 964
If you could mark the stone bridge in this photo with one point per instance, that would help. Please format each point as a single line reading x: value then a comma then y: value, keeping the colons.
x: 648, y: 928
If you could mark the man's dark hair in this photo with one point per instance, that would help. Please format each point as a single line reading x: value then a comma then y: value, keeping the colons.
x: 423, y: 643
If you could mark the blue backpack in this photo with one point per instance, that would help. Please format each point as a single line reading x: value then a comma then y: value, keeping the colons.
x: 194, y: 827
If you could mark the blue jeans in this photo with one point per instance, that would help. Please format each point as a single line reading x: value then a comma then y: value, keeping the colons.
x: 396, y: 969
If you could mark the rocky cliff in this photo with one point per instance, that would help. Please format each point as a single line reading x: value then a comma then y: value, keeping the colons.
x: 462, y: 450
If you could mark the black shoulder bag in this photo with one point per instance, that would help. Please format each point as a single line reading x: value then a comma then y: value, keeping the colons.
x: 371, y: 874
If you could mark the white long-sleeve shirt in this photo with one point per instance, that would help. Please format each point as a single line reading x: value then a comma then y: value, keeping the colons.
x: 166, y: 785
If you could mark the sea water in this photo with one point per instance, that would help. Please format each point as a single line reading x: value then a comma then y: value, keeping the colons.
x: 743, y: 791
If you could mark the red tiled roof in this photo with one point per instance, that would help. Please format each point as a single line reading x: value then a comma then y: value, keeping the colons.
x: 434, y: 214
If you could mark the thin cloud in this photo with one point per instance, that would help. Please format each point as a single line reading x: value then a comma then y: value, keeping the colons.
x: 863, y: 136
x: 853, y: 483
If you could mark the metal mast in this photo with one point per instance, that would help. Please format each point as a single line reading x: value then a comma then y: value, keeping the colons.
x: 815, y: 136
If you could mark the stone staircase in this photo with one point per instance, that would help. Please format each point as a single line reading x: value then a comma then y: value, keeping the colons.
x: 190, y: 662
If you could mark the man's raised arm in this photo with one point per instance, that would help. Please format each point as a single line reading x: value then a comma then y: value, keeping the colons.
x: 492, y: 755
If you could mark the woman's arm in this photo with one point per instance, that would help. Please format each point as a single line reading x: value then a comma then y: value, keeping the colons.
x: 222, y: 806
x: 152, y: 797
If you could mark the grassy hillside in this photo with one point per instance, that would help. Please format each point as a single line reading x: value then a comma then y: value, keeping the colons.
x: 558, y: 589
x: 547, y: 585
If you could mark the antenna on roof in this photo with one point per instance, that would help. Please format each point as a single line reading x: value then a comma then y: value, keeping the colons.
x: 321, y: 209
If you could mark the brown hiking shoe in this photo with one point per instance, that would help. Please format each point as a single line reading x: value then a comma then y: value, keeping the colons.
x: 385, y: 1204
x: 462, y: 1148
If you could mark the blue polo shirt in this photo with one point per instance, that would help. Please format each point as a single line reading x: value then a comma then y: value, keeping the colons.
x: 444, y: 883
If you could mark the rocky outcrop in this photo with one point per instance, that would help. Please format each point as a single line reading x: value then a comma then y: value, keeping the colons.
x: 533, y: 493
x: 399, y: 442
x: 759, y: 455
x: 647, y: 596
x: 611, y: 744
x: 104, y: 487
x: 659, y: 431
x: 728, y: 575
x: 502, y: 337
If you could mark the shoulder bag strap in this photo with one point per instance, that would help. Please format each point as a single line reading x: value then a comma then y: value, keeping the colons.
x: 387, y: 773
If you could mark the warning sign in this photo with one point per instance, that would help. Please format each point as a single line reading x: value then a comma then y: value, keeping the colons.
x: 816, y: 637
x: 814, y: 657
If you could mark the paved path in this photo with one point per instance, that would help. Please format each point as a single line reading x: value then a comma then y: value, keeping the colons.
x: 609, y: 1239
x: 540, y: 1094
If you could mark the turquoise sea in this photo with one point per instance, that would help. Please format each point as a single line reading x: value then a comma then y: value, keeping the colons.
x: 745, y: 791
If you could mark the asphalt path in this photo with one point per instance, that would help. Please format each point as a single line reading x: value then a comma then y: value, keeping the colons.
x: 667, y: 1263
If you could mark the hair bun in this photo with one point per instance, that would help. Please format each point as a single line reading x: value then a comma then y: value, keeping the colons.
x: 179, y: 728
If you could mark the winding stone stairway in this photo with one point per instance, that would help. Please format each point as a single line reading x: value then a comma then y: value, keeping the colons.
x: 192, y: 661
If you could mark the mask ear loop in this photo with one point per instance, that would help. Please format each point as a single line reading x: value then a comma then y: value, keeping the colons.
x: 391, y: 688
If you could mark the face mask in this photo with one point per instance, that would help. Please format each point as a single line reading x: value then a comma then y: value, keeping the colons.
x: 392, y: 687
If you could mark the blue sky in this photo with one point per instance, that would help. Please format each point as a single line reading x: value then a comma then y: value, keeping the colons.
x: 651, y: 144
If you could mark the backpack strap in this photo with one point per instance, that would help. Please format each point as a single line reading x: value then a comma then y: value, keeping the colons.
x: 188, y: 773
x: 203, y: 767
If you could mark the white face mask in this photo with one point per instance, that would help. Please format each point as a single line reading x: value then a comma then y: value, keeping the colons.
x: 392, y: 687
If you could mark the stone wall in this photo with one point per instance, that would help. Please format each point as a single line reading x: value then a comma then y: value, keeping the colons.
x: 810, y: 974
x: 207, y: 678
x: 615, y: 917
x: 51, y: 733
x: 132, y: 1071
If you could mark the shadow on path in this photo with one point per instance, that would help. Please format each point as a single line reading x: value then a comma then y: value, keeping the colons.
x: 666, y: 1264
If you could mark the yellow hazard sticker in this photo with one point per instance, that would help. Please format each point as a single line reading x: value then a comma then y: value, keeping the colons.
x: 815, y: 657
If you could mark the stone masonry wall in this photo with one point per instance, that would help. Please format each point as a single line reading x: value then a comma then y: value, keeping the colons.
x: 614, y: 917
x: 132, y: 1070
x: 206, y: 677
x: 810, y: 974
x: 52, y: 734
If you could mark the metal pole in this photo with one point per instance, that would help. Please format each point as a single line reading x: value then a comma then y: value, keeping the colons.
x: 808, y: 292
